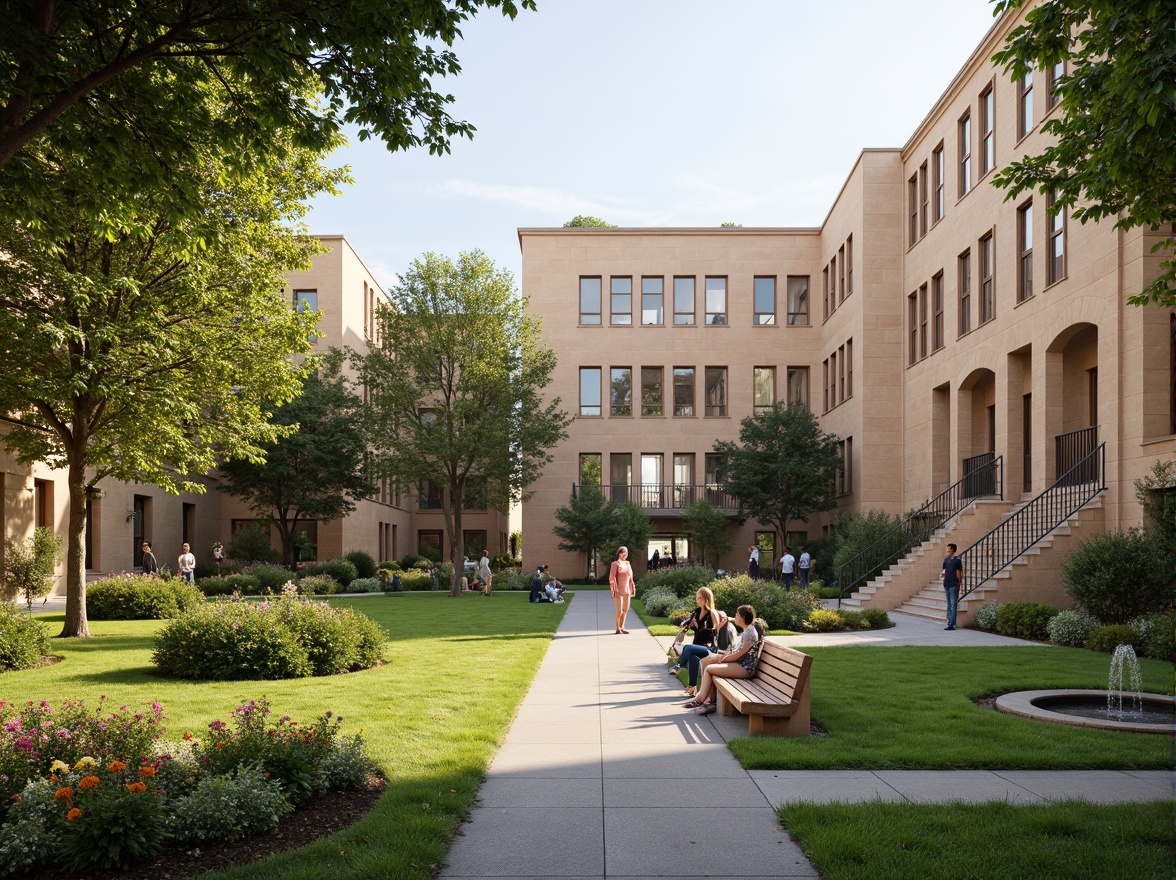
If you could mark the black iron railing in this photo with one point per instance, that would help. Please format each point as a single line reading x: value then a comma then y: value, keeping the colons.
x: 997, y: 550
x: 979, y: 478
x: 666, y: 496
x: 1072, y: 449
x: 918, y: 526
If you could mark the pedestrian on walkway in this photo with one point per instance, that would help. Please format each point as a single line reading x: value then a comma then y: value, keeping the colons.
x: 704, y: 620
x: 150, y: 564
x: 953, y: 571
x: 737, y: 663
x: 805, y: 565
x: 787, y: 567
x: 484, y: 571
x: 753, y: 562
x: 620, y: 582
x: 187, y: 565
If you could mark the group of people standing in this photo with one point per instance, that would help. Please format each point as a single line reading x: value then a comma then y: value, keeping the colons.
x: 789, y: 566
x: 186, y: 563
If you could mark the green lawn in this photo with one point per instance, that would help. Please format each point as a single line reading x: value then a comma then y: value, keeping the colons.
x: 432, y: 716
x: 1071, y: 840
x: 887, y: 708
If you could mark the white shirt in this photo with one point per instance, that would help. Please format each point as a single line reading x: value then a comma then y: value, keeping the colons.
x: 187, y: 562
x: 787, y: 561
x: 484, y: 568
x: 754, y: 556
x: 806, y: 561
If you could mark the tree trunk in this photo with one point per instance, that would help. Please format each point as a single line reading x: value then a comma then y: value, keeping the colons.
x: 75, y: 564
x: 456, y: 550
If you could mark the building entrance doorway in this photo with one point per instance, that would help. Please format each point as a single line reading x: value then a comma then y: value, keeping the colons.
x: 668, y: 547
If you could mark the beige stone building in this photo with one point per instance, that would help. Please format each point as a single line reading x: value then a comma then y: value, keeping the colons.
x: 388, y: 525
x: 940, y: 331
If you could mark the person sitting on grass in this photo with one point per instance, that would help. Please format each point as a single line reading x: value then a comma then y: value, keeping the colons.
x: 538, y: 594
x: 704, y: 620
x: 554, y: 588
x: 736, y: 663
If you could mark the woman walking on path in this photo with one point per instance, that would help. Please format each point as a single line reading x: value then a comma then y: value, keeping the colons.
x: 620, y: 582
x: 737, y: 663
x: 705, y: 623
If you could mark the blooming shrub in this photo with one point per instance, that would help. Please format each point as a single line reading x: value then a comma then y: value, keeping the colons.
x: 347, y: 768
x: 23, y: 641
x: 245, y: 584
x: 140, y: 597
x: 285, y: 638
x: 1154, y: 635
x: 1070, y: 628
x: 227, y: 808
x: 113, y: 817
x: 415, y: 579
x: 318, y: 585
x: 986, y: 615
x: 365, y: 585
x: 824, y: 620
x: 660, y: 601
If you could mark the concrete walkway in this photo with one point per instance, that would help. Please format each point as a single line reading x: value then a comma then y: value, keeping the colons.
x: 602, y: 774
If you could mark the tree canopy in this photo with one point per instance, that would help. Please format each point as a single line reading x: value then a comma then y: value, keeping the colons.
x: 782, y: 468
x: 1114, y: 150
x: 586, y: 524
x: 586, y: 222
x: 706, y: 527
x: 319, y: 471
x: 456, y: 388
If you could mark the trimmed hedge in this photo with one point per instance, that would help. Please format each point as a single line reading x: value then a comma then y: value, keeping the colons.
x: 245, y: 584
x: 23, y: 641
x: 1107, y: 638
x: 365, y: 563
x: 318, y: 585
x: 270, y: 577
x: 1025, y: 620
x: 340, y: 569
x: 140, y: 597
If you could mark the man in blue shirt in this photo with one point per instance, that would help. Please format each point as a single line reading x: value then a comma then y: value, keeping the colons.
x: 953, y: 572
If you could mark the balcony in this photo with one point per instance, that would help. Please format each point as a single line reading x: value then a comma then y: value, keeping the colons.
x: 667, y: 499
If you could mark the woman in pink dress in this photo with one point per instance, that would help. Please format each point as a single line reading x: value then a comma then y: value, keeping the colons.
x: 620, y: 582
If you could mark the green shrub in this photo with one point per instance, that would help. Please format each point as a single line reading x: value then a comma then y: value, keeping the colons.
x: 244, y: 584
x: 986, y: 616
x: 513, y: 579
x: 227, y: 808
x: 684, y: 581
x: 1107, y: 638
x: 822, y: 550
x: 389, y: 565
x: 365, y: 564
x: 140, y: 597
x: 318, y: 585
x: 1026, y: 620
x: 501, y: 561
x: 210, y: 569
x: 858, y: 531
x: 1116, y: 576
x: 1070, y: 628
x: 415, y: 560
x: 252, y: 544
x: 852, y: 619
x: 416, y: 579
x: 365, y: 585
x: 1154, y: 635
x: 877, y: 618
x: 348, y: 768
x: 660, y: 601
x: 270, y: 577
x: 24, y: 844
x: 342, y: 570
x: 230, y: 641
x: 782, y: 609
x: 23, y: 641
x: 824, y: 620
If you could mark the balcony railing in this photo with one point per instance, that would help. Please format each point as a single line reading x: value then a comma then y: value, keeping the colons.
x: 666, y: 496
x: 1075, y: 448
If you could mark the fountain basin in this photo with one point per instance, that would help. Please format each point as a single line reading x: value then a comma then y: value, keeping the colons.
x: 1057, y: 705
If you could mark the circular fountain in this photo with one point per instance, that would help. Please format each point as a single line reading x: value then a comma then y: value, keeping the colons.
x: 1120, y: 707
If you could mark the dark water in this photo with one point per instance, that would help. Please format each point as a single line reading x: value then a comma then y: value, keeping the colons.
x: 1154, y: 712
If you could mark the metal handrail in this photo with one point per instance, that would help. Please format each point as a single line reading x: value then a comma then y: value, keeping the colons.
x: 666, y: 496
x: 982, y: 480
x: 1010, y: 539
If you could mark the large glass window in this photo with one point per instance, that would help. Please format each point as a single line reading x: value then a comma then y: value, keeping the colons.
x: 683, y: 391
x: 716, y: 391
x: 1056, y: 255
x: 923, y: 199
x: 620, y: 475
x: 965, y: 288
x: 590, y: 469
x: 764, y: 389
x: 923, y: 321
x: 716, y: 300
x: 798, y: 385
x: 621, y: 312
x: 652, y: 296
x: 475, y: 542
x: 987, y: 280
x: 765, y: 300
x: 1025, y: 246
x: 683, y: 479
x: 965, y: 154
x: 683, y: 301
x: 590, y: 301
x: 590, y: 391
x: 651, y: 391
x: 621, y: 391
x: 798, y: 301
x: 651, y: 480
x: 987, y: 138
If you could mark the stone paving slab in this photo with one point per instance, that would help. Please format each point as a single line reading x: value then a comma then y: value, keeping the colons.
x: 543, y: 793
x: 528, y: 842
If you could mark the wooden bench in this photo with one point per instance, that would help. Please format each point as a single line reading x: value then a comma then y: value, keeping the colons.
x: 776, y: 699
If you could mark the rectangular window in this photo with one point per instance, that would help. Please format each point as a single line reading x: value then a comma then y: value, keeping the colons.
x: 1025, y: 248
x: 429, y: 544
x: 304, y: 301
x: 475, y: 542
x: 937, y: 183
x: 798, y: 305
x: 923, y: 197
x: 713, y: 469
x: 825, y: 385
x: 841, y: 374
x: 651, y: 391
x: 591, y: 473
x: 798, y: 380
x: 849, y: 368
x: 1053, y: 97
x: 683, y: 479
x: 965, y: 154
x: 913, y: 327
x: 1025, y: 104
x: 716, y: 391
x: 429, y: 497
x: 590, y: 301
x: 833, y: 284
x: 987, y: 135
x: 620, y: 383
x: 590, y: 391
x: 923, y: 322
x: 1056, y: 254
x: 849, y: 266
x: 622, y: 301
x: 764, y: 389
x: 684, y: 391
x: 841, y: 276
x: 620, y: 475
x: 765, y: 300
x: 833, y: 379
x: 825, y: 291
x: 964, y: 264
x: 684, y: 301
x: 987, y: 281
x: 913, y: 209
x: 937, y: 298
x: 651, y: 300
x: 651, y: 481
x: 716, y: 300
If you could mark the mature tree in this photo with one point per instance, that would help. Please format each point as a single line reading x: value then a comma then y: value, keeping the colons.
x: 456, y: 390
x: 632, y: 530
x: 141, y: 346
x: 585, y: 222
x: 316, y: 473
x: 1114, y: 153
x: 783, y: 467
x: 730, y: 224
x: 586, y: 524
x: 138, y: 89
x: 706, y: 527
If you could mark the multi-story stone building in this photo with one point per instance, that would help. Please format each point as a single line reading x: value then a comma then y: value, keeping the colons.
x: 937, y: 329
x: 388, y: 525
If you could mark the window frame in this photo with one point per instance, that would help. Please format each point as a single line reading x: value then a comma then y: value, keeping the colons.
x: 585, y: 372
x: 964, y: 155
x: 660, y: 293
x: 1025, y: 104
x: 803, y: 373
x: 987, y: 303
x: 801, y: 298
x: 599, y: 314
x: 1025, y: 251
x: 711, y: 317
x: 987, y: 130
x: 757, y: 316
x: 676, y: 372
x: 913, y: 209
x: 938, y: 205
x: 1055, y: 232
x: 924, y: 198
x: 615, y: 410
x: 613, y: 293
x: 849, y: 265
x: 937, y: 306
x: 653, y: 410
x: 964, y: 291
x: 1052, y: 97
x: 709, y: 408
x: 913, y: 328
x: 923, y: 321
x: 693, y: 291
x: 758, y: 406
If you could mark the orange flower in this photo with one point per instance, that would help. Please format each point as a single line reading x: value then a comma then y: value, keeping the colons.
x: 136, y: 787
x: 146, y: 771
x: 73, y: 814
x: 117, y: 766
x: 88, y: 782
x: 63, y: 794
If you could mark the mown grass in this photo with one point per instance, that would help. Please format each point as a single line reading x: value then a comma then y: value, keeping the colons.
x: 1070, y: 840
x: 911, y: 708
x: 456, y: 669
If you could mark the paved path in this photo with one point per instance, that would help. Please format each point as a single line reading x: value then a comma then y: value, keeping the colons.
x: 603, y: 775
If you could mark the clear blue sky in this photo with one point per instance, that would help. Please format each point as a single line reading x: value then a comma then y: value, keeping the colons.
x: 654, y: 113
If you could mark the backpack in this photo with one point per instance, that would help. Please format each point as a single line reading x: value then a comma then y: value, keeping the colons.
x: 726, y: 636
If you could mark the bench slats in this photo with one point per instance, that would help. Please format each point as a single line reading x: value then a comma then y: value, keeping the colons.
x: 776, y: 699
